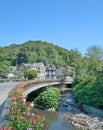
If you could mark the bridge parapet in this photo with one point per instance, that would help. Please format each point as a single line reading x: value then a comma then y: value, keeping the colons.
x: 43, y: 83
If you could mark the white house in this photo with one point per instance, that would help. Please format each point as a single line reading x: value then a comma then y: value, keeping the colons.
x: 41, y: 69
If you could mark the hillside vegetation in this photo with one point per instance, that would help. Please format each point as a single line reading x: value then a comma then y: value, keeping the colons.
x: 35, y: 51
x: 89, y: 66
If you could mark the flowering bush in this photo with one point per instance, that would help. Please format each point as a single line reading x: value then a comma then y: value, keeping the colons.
x: 19, y: 116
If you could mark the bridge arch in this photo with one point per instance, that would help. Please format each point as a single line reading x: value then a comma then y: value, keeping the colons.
x: 40, y: 84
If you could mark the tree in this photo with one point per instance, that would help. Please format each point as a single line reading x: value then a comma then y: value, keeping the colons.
x: 95, y: 51
x: 4, y: 63
x: 30, y: 73
x: 36, y: 51
x: 22, y: 56
x: 99, y: 76
x: 94, y: 57
x: 76, y: 61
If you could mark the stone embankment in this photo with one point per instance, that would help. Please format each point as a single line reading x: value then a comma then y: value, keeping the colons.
x: 90, y: 119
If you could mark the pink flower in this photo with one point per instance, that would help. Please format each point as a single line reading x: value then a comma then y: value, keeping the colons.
x: 22, y: 118
x: 13, y: 98
x: 3, y: 128
x: 34, y: 122
x: 9, y: 128
x: 37, y: 116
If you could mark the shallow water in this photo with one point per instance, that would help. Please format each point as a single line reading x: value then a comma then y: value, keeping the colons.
x: 61, y: 124
x: 55, y: 120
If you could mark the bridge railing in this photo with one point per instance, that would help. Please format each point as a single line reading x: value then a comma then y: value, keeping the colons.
x: 66, y: 79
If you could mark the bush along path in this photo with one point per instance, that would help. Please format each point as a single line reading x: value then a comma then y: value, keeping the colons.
x: 20, y: 116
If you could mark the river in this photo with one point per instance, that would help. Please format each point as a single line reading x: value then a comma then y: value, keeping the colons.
x: 69, y: 113
x: 55, y: 120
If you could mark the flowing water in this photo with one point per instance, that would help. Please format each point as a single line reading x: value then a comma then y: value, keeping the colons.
x: 67, y: 106
x: 55, y: 120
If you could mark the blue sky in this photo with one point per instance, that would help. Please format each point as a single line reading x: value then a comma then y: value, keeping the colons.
x: 67, y: 23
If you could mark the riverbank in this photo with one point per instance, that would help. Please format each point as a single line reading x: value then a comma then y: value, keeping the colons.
x: 84, y: 122
x: 91, y: 119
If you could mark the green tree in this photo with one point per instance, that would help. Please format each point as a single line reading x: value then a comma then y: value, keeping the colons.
x: 12, y: 52
x: 22, y: 56
x: 99, y: 76
x: 77, y: 61
x: 4, y: 63
x: 94, y: 57
x: 30, y: 73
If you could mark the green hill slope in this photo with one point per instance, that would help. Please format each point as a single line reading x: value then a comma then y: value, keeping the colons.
x: 35, y: 51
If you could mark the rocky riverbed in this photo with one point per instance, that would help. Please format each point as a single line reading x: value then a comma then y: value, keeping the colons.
x: 84, y: 122
x: 88, y: 118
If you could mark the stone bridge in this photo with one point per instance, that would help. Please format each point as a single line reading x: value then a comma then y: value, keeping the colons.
x: 44, y: 83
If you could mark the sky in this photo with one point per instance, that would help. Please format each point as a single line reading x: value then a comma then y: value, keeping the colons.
x: 67, y: 23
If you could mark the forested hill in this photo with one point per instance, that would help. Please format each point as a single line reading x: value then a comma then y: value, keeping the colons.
x: 88, y: 85
x: 36, y: 51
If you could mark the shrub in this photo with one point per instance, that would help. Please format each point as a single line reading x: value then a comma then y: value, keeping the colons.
x: 30, y: 73
x: 48, y: 98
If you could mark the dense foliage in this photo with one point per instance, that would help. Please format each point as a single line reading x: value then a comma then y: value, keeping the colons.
x: 89, y: 66
x: 90, y: 93
x: 35, y: 51
x: 39, y: 51
x: 30, y: 73
x: 88, y: 86
x: 48, y: 98
x: 4, y: 63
